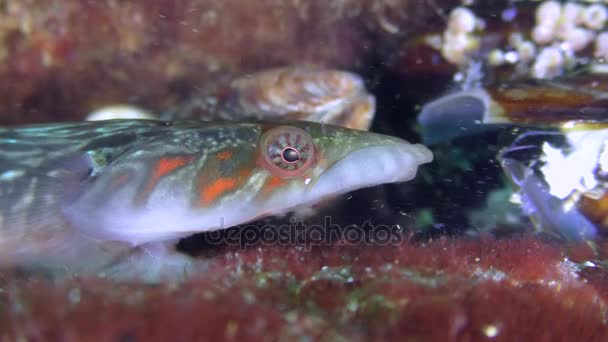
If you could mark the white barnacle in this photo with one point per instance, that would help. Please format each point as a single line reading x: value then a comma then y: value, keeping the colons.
x: 462, y: 20
x: 549, y: 63
x: 496, y: 57
x: 543, y: 34
x: 578, y: 38
x: 458, y: 39
x: 457, y: 46
x: 601, y: 46
x: 526, y: 51
x: 548, y: 13
x: 594, y: 16
x: 572, y: 13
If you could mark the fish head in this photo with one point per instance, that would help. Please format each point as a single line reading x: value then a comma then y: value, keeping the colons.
x: 330, y: 160
x: 220, y: 176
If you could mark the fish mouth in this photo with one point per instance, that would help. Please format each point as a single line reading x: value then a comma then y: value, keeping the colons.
x: 371, y: 166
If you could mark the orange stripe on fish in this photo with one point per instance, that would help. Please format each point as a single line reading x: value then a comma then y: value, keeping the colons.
x: 272, y: 183
x: 168, y: 164
x: 164, y: 166
x: 220, y: 186
x: 216, y: 189
x: 224, y: 155
x: 119, y: 181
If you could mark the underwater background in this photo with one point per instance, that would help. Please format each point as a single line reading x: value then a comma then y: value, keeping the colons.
x: 462, y: 254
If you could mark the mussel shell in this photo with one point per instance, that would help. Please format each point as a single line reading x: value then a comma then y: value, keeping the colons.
x: 561, y: 179
x: 579, y: 100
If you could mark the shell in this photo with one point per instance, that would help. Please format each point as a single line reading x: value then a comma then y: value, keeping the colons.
x: 558, y: 166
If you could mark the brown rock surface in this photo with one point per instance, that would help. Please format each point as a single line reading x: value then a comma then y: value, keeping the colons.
x: 511, y: 289
x: 60, y: 59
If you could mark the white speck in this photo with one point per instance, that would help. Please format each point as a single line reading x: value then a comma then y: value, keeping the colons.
x: 569, y: 124
x: 589, y: 264
x: 119, y: 112
x: 434, y: 41
x: 307, y: 181
x: 511, y: 57
x: 490, y: 330
x: 11, y: 175
x: 387, y: 25
x: 74, y: 295
x: 516, y: 199
x: 565, y: 47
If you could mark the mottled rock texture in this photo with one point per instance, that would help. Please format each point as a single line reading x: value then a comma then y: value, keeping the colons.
x: 511, y: 289
x: 60, y: 59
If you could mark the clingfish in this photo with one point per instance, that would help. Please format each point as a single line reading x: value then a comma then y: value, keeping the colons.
x: 107, y: 197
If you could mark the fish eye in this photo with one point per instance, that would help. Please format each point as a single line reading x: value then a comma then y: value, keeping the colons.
x: 290, y: 155
x: 287, y: 151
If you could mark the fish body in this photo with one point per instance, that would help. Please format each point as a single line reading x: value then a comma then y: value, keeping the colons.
x: 76, y: 198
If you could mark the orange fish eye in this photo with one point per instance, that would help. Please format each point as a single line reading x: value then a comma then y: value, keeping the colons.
x: 287, y: 151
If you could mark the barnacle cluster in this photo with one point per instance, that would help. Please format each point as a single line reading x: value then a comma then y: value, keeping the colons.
x: 459, y: 39
x: 563, y: 30
x: 564, y: 34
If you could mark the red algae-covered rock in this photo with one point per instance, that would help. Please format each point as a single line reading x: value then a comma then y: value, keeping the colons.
x: 506, y: 289
x: 64, y: 58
